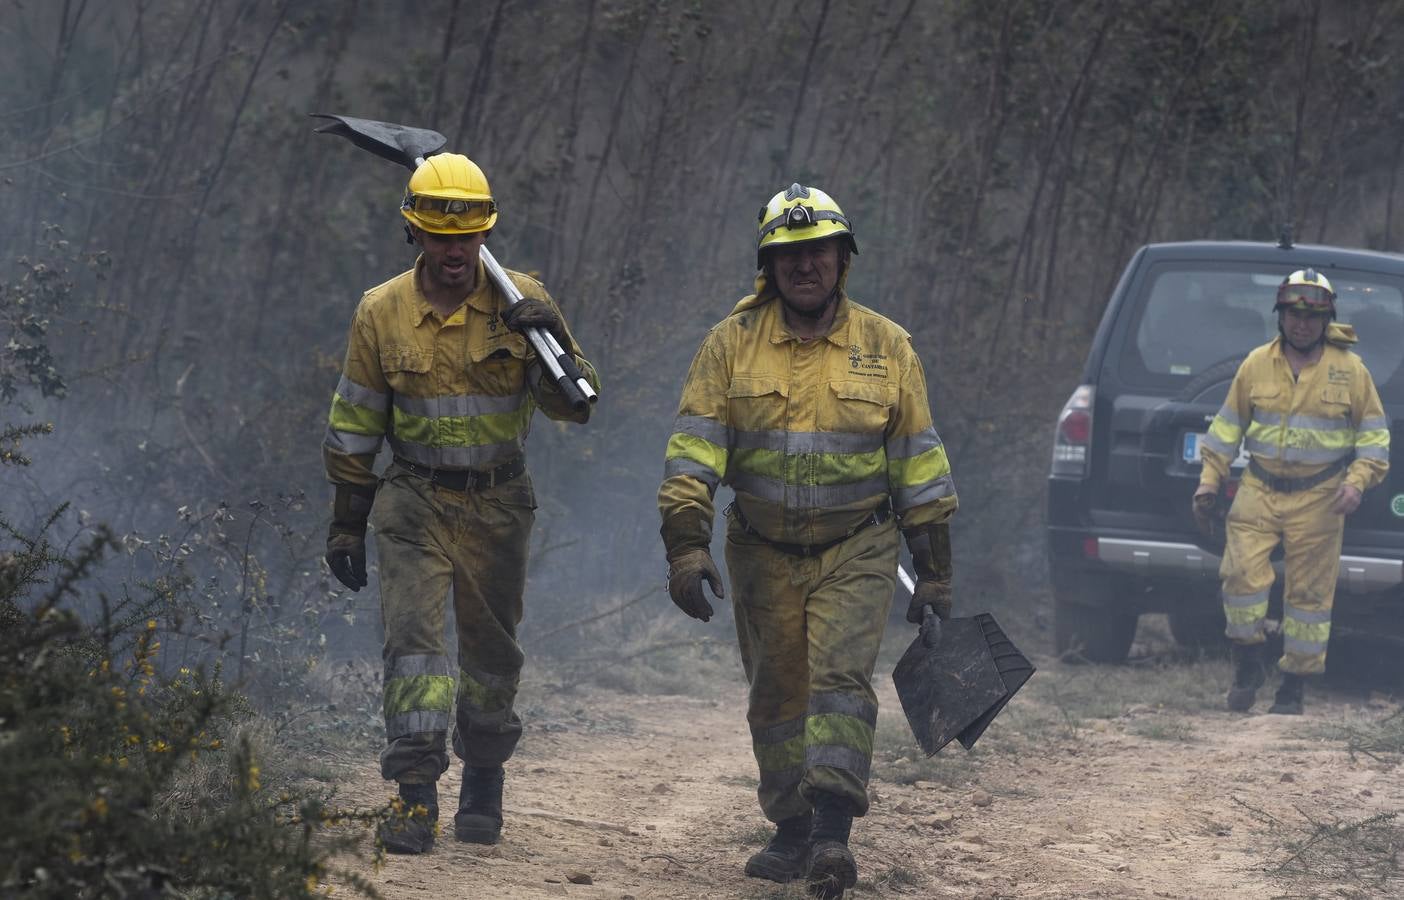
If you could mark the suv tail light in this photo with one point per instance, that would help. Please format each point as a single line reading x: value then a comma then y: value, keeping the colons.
x: 1072, y: 442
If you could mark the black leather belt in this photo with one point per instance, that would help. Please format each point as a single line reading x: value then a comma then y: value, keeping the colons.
x: 464, y: 480
x: 1292, y: 485
x: 880, y: 515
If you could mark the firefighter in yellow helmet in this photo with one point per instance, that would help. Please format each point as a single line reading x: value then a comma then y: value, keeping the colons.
x: 1306, y: 409
x: 436, y: 364
x: 813, y: 409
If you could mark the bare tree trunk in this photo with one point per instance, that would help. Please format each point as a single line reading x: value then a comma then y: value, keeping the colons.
x: 787, y: 166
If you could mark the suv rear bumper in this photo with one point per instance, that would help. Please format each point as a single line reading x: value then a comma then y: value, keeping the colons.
x: 1358, y: 575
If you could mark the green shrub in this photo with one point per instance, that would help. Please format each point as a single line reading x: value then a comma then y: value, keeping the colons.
x: 93, y: 737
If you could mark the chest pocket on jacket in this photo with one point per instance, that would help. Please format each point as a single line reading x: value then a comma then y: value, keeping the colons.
x: 1335, y: 404
x: 408, y: 369
x: 757, y: 403
x: 1267, y: 398
x: 498, y: 366
x: 857, y: 406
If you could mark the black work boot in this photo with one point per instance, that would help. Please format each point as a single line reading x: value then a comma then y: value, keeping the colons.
x: 1248, y: 675
x: 831, y: 869
x: 479, y: 816
x: 784, y: 855
x: 410, y: 827
x: 1288, y: 701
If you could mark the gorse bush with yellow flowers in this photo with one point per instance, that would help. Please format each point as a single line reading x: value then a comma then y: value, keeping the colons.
x: 99, y: 728
x: 94, y: 733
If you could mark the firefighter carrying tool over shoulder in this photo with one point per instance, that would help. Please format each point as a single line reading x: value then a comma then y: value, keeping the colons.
x: 437, y: 364
x: 1306, y: 410
x: 814, y: 410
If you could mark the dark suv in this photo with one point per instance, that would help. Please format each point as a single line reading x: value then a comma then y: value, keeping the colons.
x: 1121, y: 538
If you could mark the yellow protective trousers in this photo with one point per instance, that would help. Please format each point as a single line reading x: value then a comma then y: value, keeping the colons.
x: 433, y: 542
x: 809, y: 630
x: 1311, y: 538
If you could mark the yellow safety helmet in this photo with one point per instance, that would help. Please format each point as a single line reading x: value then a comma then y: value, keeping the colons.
x: 798, y: 214
x: 1306, y: 289
x: 449, y: 194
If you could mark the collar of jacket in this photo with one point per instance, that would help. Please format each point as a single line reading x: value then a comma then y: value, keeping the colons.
x: 483, y: 298
x: 1338, y: 334
x: 837, y: 333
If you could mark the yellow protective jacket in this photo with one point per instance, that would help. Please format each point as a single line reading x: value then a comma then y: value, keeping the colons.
x: 453, y: 393
x: 813, y: 436
x: 1295, y: 427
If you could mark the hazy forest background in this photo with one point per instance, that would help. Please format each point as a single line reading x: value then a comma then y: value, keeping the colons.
x: 182, y: 253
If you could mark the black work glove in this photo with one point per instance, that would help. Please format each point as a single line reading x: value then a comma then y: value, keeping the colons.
x: 1209, y: 515
x: 931, y: 557
x: 685, y: 577
x: 533, y: 313
x: 346, y: 538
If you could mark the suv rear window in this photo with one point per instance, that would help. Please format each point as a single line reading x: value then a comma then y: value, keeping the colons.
x: 1194, y: 315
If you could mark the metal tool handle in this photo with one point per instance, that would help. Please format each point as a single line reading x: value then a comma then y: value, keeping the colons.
x: 930, y: 626
x: 559, y: 364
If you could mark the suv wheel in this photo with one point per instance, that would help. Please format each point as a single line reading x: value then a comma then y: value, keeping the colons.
x: 1199, y: 628
x: 1091, y: 618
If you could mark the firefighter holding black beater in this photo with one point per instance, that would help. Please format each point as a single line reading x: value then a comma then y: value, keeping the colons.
x: 436, y: 365
x: 814, y: 410
x: 1306, y: 409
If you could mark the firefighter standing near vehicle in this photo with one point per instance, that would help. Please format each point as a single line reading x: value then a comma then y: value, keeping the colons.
x: 814, y: 410
x: 1307, y: 411
x: 436, y: 364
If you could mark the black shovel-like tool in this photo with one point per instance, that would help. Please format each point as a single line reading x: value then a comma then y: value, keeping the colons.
x: 956, y: 677
x: 409, y: 147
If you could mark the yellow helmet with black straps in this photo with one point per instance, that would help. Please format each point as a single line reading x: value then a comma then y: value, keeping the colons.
x: 798, y: 214
x: 1306, y: 289
x: 449, y: 194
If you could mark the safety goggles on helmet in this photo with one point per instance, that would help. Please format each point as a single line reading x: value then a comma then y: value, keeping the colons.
x: 439, y: 212
x: 1308, y: 297
x: 1308, y: 290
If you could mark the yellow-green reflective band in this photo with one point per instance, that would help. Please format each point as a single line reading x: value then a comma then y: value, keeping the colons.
x: 836, y: 728
x: 920, y: 469
x: 1244, y: 615
x: 1224, y: 431
x: 346, y: 416
x: 1313, y: 632
x: 422, y: 692
x: 778, y: 757
x: 811, y: 468
x: 484, y: 693
x: 699, y: 450
x: 462, y: 431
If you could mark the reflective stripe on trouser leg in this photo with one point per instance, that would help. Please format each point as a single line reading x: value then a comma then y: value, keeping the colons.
x: 1311, y: 565
x: 1252, y: 532
x: 415, y: 575
x: 490, y: 564
x: 809, y: 631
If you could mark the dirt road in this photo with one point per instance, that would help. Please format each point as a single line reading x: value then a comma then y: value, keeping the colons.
x: 1092, y: 784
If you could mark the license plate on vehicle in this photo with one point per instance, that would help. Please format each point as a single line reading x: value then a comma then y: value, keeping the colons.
x: 1190, y: 451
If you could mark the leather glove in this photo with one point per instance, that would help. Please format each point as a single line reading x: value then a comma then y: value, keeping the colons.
x: 1209, y: 515
x: 533, y: 313
x: 685, y: 577
x: 346, y: 538
x: 931, y: 558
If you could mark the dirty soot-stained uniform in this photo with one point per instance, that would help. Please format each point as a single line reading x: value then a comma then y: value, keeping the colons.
x: 453, y: 395
x: 1325, y: 425
x: 821, y: 440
